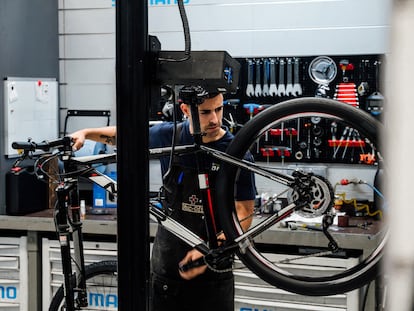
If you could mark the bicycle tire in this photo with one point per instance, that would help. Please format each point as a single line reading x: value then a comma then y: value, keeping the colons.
x: 99, y: 298
x: 253, y: 258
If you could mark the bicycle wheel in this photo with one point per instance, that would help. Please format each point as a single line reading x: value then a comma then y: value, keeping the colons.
x: 101, y: 286
x: 286, y: 265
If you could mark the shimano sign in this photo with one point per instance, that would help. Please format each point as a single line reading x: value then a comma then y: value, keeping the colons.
x: 8, y: 292
x: 103, y: 300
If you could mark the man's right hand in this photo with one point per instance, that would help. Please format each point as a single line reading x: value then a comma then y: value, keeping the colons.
x: 192, y: 256
x: 78, y: 139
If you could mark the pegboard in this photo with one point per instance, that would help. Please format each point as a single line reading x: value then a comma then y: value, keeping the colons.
x: 353, y: 79
x: 364, y: 71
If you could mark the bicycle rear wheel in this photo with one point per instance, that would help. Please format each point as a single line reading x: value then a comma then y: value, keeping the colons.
x: 289, y: 270
x: 101, y: 286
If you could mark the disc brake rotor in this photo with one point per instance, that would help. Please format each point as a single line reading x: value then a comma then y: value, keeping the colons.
x: 322, y: 197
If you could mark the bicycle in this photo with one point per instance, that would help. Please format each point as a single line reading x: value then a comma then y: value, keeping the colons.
x: 91, y: 286
x: 306, y: 193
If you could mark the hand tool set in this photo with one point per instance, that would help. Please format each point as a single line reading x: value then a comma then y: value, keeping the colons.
x: 267, y: 81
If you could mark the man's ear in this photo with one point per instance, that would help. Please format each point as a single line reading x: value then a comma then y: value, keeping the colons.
x: 184, y: 108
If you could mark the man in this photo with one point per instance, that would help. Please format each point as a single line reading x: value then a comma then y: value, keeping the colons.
x: 198, y: 288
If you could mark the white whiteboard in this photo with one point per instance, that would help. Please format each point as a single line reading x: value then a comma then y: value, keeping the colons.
x: 31, y: 110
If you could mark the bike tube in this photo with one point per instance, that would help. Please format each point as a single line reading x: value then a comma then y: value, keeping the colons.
x: 283, y: 266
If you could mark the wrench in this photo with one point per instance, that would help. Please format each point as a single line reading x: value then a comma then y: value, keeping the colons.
x: 250, y: 68
x: 343, y: 136
x: 266, y: 70
x: 297, y: 88
x: 289, y: 84
x: 258, y: 88
x: 273, y: 87
x: 281, y: 90
x: 348, y: 138
x: 359, y: 140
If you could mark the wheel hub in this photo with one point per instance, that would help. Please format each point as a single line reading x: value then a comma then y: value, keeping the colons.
x: 312, y: 194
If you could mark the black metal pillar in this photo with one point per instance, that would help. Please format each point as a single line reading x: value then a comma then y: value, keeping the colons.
x: 133, y: 100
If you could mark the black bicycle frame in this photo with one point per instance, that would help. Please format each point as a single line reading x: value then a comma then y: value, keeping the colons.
x: 203, y: 179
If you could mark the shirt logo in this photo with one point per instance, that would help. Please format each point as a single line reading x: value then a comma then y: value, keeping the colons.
x: 193, y: 207
x: 215, y: 167
x: 193, y: 199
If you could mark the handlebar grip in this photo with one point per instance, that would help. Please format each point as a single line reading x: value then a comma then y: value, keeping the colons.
x: 44, y: 145
x: 29, y: 146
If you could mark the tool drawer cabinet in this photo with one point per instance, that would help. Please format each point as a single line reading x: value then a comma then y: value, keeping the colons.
x: 253, y: 294
x: 13, y: 274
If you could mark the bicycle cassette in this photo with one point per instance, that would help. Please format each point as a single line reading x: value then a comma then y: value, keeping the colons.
x: 312, y: 193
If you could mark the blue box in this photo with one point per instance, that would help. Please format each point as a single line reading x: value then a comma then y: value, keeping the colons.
x: 102, y: 198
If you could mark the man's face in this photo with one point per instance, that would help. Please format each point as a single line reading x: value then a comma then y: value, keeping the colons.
x: 211, y: 117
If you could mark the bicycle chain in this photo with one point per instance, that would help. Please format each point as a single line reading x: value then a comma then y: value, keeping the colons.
x: 320, y: 254
x: 217, y: 270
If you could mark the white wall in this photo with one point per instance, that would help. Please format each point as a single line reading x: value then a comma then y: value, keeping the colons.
x: 247, y: 28
x: 87, y: 59
x: 243, y: 28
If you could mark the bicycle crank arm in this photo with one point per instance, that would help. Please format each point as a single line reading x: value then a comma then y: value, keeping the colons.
x: 192, y: 264
x: 218, y: 259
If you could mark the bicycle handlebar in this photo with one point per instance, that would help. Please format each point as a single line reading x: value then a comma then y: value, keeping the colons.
x: 64, y: 142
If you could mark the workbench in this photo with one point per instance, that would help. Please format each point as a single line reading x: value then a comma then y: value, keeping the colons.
x: 38, y: 225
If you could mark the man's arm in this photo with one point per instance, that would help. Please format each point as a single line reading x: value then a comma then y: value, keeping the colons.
x: 245, y: 211
x: 106, y: 135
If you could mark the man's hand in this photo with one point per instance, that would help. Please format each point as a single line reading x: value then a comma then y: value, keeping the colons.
x: 192, y: 255
x: 105, y: 135
x: 78, y: 139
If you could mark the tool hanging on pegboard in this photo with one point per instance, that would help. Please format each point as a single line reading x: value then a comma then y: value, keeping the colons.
x: 375, y: 101
x: 346, y: 91
x: 273, y: 86
x: 297, y: 87
x: 268, y: 80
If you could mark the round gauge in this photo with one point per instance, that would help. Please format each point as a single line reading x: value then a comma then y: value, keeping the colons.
x: 316, y: 120
x: 322, y: 70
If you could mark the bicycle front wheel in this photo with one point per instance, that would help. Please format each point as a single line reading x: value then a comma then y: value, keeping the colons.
x: 300, y: 135
x: 101, y: 287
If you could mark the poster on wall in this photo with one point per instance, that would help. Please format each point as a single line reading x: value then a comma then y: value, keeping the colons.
x: 31, y: 111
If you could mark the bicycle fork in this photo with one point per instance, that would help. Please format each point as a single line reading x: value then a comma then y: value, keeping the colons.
x: 68, y: 196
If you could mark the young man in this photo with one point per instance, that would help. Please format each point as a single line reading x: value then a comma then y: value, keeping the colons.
x: 198, y: 288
